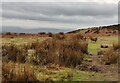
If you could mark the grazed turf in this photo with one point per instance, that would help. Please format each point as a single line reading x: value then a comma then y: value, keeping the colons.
x: 22, y: 40
x: 66, y: 74
x: 93, y: 47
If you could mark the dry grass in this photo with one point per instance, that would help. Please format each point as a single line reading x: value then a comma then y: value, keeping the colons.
x: 76, y: 37
x: 70, y: 54
x: 13, y: 53
x: 45, y: 52
x: 93, y: 38
x: 62, y: 52
x: 49, y: 34
x: 57, y: 50
x: 59, y: 36
x: 116, y: 46
x: 110, y: 56
x: 17, y: 72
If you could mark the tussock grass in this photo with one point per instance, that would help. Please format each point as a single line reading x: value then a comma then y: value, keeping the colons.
x: 63, y: 52
x: 17, y: 72
x: 70, y: 54
x: 59, y: 36
x: 56, y: 50
x: 110, y: 55
x: 116, y: 46
x: 13, y: 53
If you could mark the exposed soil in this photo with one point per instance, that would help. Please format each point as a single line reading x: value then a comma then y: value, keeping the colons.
x: 98, y: 66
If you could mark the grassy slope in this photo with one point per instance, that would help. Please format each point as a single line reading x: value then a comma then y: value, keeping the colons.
x: 93, y: 47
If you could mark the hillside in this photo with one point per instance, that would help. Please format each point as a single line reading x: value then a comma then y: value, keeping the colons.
x: 102, y: 30
x: 34, y: 30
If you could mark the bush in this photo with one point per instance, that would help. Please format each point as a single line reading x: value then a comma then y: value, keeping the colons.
x: 44, y: 52
x: 116, y: 46
x: 93, y: 39
x: 17, y: 72
x: 76, y: 37
x: 13, y: 53
x: 110, y: 56
x: 70, y: 54
x: 67, y: 52
x: 59, y: 36
x: 62, y: 52
x: 50, y: 34
x: 34, y: 44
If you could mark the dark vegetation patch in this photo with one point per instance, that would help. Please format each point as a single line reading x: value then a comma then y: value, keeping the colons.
x: 59, y: 50
x: 63, y: 52
x: 89, y: 68
x: 13, y: 53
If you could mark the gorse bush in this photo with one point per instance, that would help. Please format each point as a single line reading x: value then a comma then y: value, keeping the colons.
x: 13, y: 53
x: 17, y: 72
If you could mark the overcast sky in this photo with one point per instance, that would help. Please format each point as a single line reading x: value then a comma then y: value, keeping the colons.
x: 62, y: 15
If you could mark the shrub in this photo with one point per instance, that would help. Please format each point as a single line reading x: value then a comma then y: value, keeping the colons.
x: 50, y: 34
x: 13, y: 53
x: 110, y: 56
x: 44, y: 52
x: 41, y: 33
x: 59, y: 36
x: 17, y: 72
x: 62, y: 33
x: 35, y: 44
x: 8, y: 33
x: 100, y: 52
x: 70, y: 54
x: 87, y: 31
x: 97, y: 31
x: 84, y: 47
x: 62, y: 52
x: 76, y: 37
x: 93, y: 39
x: 116, y: 46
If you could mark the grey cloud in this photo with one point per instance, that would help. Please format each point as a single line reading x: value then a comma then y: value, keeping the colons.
x: 74, y: 19
x: 85, y: 9
x: 60, y: 12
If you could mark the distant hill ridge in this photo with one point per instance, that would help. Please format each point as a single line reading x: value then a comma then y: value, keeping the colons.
x: 110, y: 27
x: 34, y: 30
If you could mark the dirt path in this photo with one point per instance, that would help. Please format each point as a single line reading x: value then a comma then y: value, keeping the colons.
x: 107, y: 70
